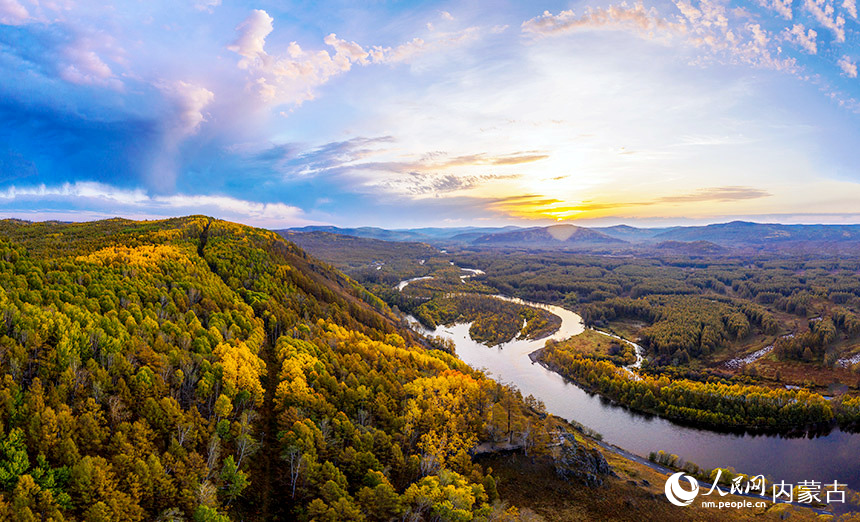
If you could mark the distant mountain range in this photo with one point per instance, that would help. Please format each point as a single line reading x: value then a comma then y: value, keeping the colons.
x: 690, y: 240
x: 555, y: 236
x: 413, y: 234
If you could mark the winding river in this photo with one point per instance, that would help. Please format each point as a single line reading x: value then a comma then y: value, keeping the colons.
x: 825, y: 458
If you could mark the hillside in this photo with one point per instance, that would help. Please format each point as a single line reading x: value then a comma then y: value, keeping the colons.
x: 370, y: 260
x: 556, y: 236
x: 772, y: 235
x: 199, y: 369
x: 196, y: 369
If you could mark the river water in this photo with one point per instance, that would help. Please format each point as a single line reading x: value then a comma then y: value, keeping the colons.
x: 835, y: 456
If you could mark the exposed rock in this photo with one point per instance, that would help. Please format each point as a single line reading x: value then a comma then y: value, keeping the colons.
x: 573, y: 461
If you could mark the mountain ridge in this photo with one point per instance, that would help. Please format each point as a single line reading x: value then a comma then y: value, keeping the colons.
x: 729, y: 235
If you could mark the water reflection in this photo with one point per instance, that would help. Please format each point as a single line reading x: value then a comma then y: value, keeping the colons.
x: 823, y: 456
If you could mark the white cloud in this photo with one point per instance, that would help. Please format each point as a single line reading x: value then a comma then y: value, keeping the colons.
x: 782, y: 7
x: 206, y: 5
x: 190, y: 100
x: 88, y: 190
x: 13, y: 13
x: 802, y: 37
x: 252, y: 38
x: 823, y: 12
x: 704, y: 24
x: 105, y: 197
x: 759, y: 36
x: 292, y: 78
x: 848, y: 67
x: 730, y: 40
x: 346, y: 52
x: 257, y: 211
x: 84, y: 67
x: 850, y: 7
x: 644, y: 20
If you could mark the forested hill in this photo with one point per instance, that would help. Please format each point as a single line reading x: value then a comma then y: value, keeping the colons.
x: 195, y: 369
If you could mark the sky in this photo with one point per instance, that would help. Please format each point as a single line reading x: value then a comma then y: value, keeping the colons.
x: 403, y: 114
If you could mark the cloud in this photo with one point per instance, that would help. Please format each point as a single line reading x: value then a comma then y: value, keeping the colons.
x: 823, y: 12
x: 801, y: 37
x: 349, y: 153
x: 252, y: 38
x: 13, y: 13
x: 347, y: 52
x: 782, y: 7
x: 293, y: 77
x: 703, y: 24
x: 850, y: 7
x: 290, y: 78
x: 85, y: 67
x: 710, y: 29
x: 327, y: 158
x: 190, y: 100
x: 440, y: 160
x: 206, y: 5
x: 352, y: 162
x: 646, y: 21
x: 525, y: 200
x: 518, y: 159
x: 424, y: 184
x: 87, y: 190
x: 535, y: 206
x: 105, y: 197
x: 848, y: 67
x: 715, y: 194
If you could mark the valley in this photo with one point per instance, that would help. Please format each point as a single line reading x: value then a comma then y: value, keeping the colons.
x: 709, y: 327
x: 196, y: 369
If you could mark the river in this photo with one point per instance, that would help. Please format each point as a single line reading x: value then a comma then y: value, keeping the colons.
x: 835, y: 456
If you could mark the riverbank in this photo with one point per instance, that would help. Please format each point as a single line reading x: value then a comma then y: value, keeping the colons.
x: 714, y: 406
x: 822, y: 456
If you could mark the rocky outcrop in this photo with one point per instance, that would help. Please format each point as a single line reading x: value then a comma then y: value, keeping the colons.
x: 573, y: 461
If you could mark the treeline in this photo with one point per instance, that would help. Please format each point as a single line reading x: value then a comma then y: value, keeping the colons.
x: 494, y: 321
x: 704, y: 302
x: 683, y: 327
x: 813, y: 343
x: 193, y: 369
x: 800, y: 285
x: 716, y: 404
x: 371, y: 261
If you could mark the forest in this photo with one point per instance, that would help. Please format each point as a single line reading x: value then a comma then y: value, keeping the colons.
x: 195, y: 369
x: 493, y: 321
x: 699, y: 313
x: 726, y: 320
x: 710, y: 403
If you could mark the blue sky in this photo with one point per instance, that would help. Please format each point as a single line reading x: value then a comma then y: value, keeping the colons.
x: 403, y: 114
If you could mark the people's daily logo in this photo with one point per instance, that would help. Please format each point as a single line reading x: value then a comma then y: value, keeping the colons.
x: 677, y: 494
